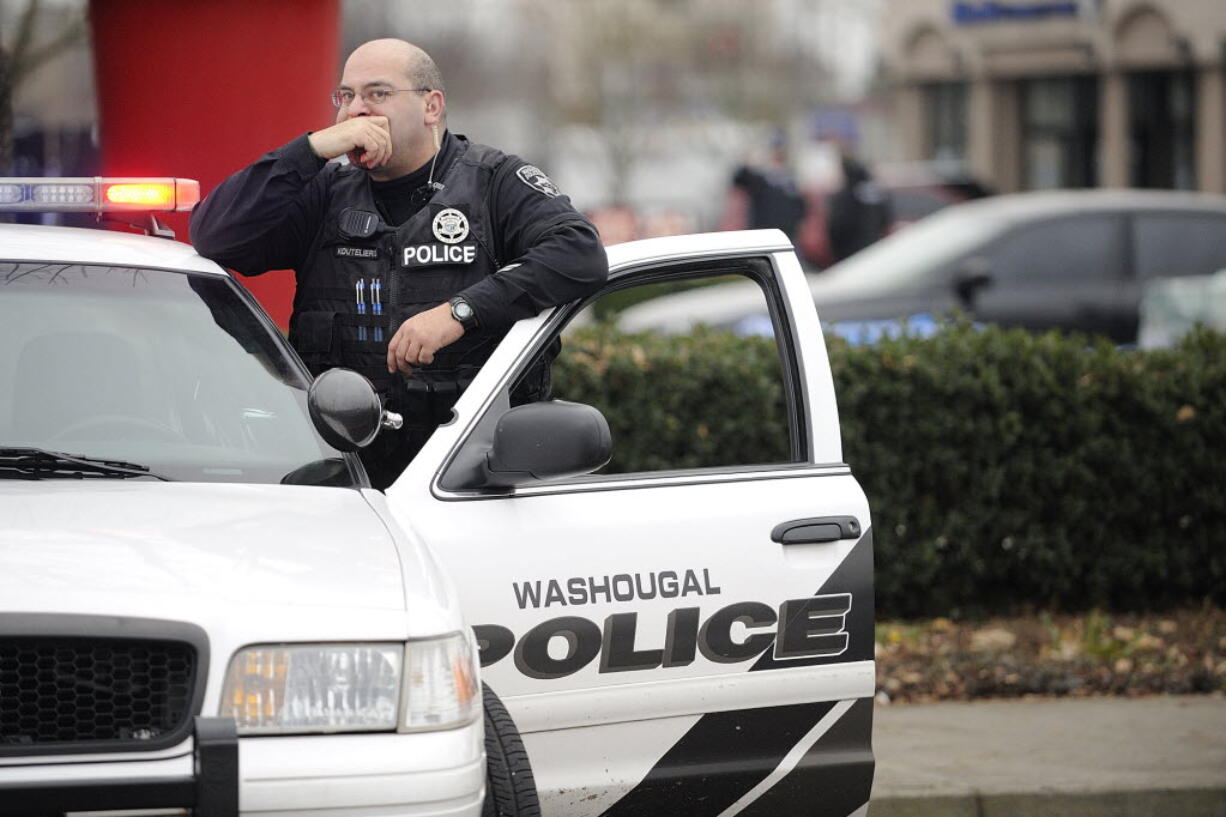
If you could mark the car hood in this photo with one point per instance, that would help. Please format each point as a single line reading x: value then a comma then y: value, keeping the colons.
x: 847, y: 301
x: 835, y: 289
x: 122, y: 546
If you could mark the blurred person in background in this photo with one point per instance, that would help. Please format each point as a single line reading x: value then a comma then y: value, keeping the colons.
x: 775, y: 200
x: 414, y: 258
x: 859, y: 212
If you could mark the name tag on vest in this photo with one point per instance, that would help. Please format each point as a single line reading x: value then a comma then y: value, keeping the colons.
x: 425, y: 255
x: 357, y: 252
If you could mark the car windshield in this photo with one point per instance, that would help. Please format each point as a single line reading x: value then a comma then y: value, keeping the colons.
x: 168, y: 370
x: 907, y: 256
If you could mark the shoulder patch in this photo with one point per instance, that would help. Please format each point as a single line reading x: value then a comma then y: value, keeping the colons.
x: 532, y: 176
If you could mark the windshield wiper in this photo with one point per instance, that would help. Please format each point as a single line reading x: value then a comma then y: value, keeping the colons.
x: 37, y: 463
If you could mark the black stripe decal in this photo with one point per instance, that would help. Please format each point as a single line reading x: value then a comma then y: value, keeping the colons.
x: 725, y: 754
x: 836, y: 773
x: 722, y: 756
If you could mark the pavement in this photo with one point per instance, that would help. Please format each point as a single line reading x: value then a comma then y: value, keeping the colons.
x: 1162, y: 756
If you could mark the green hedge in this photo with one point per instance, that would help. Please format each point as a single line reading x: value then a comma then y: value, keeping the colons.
x: 678, y: 402
x: 1005, y: 470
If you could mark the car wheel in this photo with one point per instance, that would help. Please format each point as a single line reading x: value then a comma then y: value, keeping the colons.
x: 510, y: 790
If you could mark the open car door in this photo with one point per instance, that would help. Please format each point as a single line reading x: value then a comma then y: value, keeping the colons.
x: 693, y: 635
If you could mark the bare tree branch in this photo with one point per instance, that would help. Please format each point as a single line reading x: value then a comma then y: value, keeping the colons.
x: 6, y: 113
x: 25, y: 31
x: 33, y: 58
x: 21, y: 59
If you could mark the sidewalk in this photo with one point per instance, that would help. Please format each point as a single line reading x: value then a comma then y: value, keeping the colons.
x: 1091, y: 757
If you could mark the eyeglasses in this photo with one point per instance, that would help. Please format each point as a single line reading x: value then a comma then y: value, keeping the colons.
x: 343, y: 97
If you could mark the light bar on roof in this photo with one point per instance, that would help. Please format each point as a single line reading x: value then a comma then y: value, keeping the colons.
x: 97, y: 195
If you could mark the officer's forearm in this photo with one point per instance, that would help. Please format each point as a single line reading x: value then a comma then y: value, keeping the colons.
x: 256, y: 220
x: 567, y: 263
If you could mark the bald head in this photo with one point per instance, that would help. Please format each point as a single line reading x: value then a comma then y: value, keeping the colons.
x: 415, y: 63
x: 411, y: 100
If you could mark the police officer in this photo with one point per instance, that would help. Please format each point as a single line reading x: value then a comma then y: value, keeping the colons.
x: 413, y: 260
x: 774, y: 199
x: 859, y: 213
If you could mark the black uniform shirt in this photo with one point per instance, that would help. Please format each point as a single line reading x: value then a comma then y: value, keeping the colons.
x: 267, y: 215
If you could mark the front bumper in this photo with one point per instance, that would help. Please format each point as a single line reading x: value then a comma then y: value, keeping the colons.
x: 427, y: 774
x: 209, y: 789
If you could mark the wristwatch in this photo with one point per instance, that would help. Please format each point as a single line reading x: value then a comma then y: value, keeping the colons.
x: 463, y: 313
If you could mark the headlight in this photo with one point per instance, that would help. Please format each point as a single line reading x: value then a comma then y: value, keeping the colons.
x: 288, y: 688
x: 317, y: 688
x: 440, y: 684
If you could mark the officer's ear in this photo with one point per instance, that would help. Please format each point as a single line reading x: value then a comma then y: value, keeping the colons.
x: 435, y: 105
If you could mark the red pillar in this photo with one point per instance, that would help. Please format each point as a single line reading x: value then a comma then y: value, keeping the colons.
x: 200, y: 89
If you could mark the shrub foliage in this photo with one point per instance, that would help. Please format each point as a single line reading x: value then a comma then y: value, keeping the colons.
x: 1005, y: 470
x: 679, y: 402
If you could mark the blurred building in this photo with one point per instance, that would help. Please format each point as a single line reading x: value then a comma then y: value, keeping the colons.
x: 1038, y: 94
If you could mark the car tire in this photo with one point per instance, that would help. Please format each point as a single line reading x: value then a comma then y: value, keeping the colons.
x: 510, y: 789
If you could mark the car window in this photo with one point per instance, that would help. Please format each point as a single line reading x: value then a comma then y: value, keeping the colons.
x: 917, y: 254
x: 913, y: 204
x: 1077, y: 248
x: 655, y: 389
x: 166, y: 369
x: 1173, y: 244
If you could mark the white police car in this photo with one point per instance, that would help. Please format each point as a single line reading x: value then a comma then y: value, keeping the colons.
x: 692, y: 634
x: 202, y: 605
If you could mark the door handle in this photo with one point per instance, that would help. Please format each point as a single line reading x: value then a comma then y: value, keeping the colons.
x: 818, y: 529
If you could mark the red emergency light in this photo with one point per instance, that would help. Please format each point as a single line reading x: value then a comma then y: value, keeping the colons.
x: 98, y: 195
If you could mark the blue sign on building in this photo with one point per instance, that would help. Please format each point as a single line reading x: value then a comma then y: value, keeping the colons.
x: 840, y: 124
x: 1000, y: 11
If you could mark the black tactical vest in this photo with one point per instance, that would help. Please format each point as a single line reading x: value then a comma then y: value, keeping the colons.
x: 363, y: 278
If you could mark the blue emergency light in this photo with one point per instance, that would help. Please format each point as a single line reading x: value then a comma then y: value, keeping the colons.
x: 97, y: 195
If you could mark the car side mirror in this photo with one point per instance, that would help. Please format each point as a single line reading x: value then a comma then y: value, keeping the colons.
x: 548, y: 440
x: 346, y: 410
x: 533, y: 442
x: 972, y: 275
